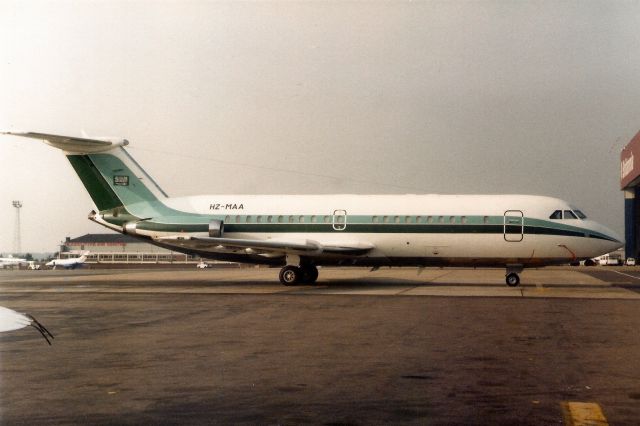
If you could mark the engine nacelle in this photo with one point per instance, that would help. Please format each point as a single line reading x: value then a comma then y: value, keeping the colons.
x: 216, y: 228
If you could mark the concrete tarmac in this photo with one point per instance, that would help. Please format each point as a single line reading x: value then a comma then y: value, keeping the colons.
x: 446, y: 346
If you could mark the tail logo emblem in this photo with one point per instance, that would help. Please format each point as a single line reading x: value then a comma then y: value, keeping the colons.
x: 119, y: 180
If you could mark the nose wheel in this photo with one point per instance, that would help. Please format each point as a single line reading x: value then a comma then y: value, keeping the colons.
x: 513, y: 279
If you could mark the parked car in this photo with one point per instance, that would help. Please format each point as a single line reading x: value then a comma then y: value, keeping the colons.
x: 630, y: 261
x: 202, y: 265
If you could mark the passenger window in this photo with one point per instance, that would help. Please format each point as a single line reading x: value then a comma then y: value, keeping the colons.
x: 568, y: 214
x: 301, y: 219
x: 407, y: 219
x: 270, y: 219
x: 238, y: 219
x: 418, y: 219
x: 463, y: 220
x: 486, y: 220
x: 556, y: 215
x: 385, y: 219
x: 441, y: 219
x: 291, y: 219
x: 249, y: 219
x: 327, y: 219
x: 375, y: 219
x: 429, y: 219
x: 452, y: 219
x: 259, y: 219
x: 314, y: 219
x: 396, y: 219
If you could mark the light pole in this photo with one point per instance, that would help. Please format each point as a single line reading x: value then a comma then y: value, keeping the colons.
x: 17, y: 247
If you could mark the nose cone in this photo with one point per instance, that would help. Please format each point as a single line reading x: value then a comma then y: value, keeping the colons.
x: 617, y: 239
x: 612, y: 241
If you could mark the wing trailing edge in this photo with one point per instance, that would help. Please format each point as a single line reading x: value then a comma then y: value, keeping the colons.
x: 268, y: 246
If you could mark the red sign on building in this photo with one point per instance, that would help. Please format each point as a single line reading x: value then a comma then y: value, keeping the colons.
x: 630, y: 162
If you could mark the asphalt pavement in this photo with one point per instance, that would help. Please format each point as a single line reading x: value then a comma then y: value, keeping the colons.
x: 388, y: 347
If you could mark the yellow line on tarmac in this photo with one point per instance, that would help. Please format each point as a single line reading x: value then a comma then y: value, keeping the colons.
x: 583, y: 414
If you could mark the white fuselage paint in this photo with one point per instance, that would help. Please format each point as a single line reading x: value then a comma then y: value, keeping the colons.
x: 448, y: 247
x: 11, y: 261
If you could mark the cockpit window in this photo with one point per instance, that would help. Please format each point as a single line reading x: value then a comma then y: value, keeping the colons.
x: 568, y: 214
x: 556, y: 215
x: 580, y: 214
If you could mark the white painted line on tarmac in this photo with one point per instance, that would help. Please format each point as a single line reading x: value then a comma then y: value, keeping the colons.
x: 627, y: 275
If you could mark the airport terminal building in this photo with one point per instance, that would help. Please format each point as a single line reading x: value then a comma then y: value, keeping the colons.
x: 118, y: 248
x: 630, y: 184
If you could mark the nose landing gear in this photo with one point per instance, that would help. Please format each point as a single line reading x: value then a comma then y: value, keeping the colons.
x: 512, y: 276
x: 513, y: 279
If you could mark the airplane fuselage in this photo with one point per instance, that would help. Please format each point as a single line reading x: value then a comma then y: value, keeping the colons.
x: 11, y: 261
x: 419, y: 230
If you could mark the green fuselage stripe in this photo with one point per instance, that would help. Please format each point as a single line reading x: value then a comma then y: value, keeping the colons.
x: 372, y: 229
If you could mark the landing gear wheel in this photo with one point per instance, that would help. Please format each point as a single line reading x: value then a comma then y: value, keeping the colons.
x: 310, y: 274
x: 290, y: 275
x: 513, y: 279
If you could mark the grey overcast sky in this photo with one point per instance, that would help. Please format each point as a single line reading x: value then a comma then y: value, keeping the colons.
x: 319, y: 97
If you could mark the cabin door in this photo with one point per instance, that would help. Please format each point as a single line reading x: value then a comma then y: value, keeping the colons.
x: 339, y: 220
x: 513, y: 226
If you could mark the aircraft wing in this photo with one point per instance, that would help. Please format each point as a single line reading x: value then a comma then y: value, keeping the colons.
x: 73, y: 144
x: 11, y: 320
x: 268, y: 246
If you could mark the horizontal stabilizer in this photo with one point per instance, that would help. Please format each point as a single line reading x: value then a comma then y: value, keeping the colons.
x: 73, y: 145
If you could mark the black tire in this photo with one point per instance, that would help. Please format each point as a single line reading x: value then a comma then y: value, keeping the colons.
x: 513, y: 280
x: 290, y: 275
x: 310, y: 274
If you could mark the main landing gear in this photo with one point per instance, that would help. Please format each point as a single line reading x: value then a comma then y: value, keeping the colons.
x: 294, y: 275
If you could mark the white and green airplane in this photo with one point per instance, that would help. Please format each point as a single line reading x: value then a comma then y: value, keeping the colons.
x: 301, y: 232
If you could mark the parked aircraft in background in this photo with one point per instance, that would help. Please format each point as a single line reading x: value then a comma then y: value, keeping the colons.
x: 71, y: 263
x: 301, y: 232
x: 11, y: 261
